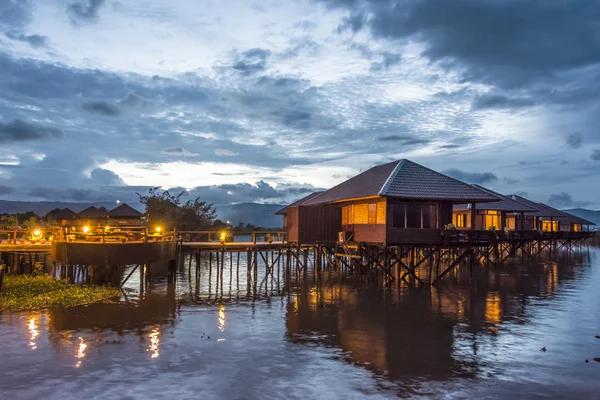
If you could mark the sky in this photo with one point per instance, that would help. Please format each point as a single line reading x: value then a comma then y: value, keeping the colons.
x: 267, y: 101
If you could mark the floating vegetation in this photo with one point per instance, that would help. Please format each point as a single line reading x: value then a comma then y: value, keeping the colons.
x: 25, y: 292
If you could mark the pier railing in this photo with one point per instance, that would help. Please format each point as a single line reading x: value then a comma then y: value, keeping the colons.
x: 229, y: 235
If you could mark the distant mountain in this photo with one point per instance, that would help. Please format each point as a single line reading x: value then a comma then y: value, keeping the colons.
x: 590, y: 215
x: 42, y: 208
x: 248, y: 213
x: 251, y: 213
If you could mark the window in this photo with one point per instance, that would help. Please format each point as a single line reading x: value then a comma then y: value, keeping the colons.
x: 372, y: 213
x: 398, y: 216
x: 549, y: 226
x: 413, y: 215
x: 461, y: 220
x: 576, y: 227
x: 361, y: 213
x: 345, y: 214
x: 285, y: 221
x: 381, y: 215
x: 429, y: 216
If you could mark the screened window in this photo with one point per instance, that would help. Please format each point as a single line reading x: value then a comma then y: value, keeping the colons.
x: 413, y: 215
x: 429, y: 216
x: 461, y: 220
x: 398, y: 216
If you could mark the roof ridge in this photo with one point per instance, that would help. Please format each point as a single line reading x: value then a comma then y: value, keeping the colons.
x: 390, y: 178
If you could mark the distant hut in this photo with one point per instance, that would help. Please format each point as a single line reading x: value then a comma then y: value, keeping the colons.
x: 501, y: 214
x: 61, y: 216
x: 311, y: 230
x: 395, y: 203
x: 91, y: 216
x: 124, y: 215
x: 573, y: 223
x: 545, y: 218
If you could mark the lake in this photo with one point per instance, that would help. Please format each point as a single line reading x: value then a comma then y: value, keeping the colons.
x: 299, y: 337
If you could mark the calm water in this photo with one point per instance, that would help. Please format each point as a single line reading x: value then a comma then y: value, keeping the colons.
x: 303, y: 338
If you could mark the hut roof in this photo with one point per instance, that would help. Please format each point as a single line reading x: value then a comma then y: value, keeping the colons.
x: 542, y: 210
x: 574, y: 219
x: 403, y: 179
x: 91, y: 212
x: 124, y: 211
x: 63, y: 213
x: 505, y: 204
x: 297, y: 203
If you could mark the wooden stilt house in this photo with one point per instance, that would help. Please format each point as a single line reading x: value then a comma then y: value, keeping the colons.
x: 91, y: 217
x: 64, y: 217
x: 304, y: 224
x: 124, y: 215
x: 497, y: 215
x: 395, y: 203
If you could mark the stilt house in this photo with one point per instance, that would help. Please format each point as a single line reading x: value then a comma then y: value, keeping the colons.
x: 395, y: 203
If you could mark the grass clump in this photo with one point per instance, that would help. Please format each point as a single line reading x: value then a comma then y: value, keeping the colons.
x: 26, y: 292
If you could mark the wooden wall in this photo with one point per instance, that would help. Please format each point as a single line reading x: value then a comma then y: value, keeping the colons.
x: 308, y: 225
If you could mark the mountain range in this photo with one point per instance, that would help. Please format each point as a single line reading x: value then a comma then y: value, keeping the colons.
x: 590, y: 215
x: 248, y: 213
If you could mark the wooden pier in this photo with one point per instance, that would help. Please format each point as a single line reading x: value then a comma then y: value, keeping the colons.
x: 414, y: 263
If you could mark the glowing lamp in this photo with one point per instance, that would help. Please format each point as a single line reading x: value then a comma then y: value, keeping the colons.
x: 37, y: 232
x: 86, y: 229
x: 223, y: 237
x: 157, y: 229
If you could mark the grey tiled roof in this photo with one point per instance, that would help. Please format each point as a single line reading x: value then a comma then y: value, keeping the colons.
x: 403, y: 179
x: 542, y: 210
x: 64, y: 213
x: 297, y: 203
x: 124, y: 211
x: 574, y: 219
x: 505, y: 204
x: 91, y: 212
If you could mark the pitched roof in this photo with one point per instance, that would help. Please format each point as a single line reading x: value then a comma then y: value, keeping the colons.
x: 505, y: 204
x: 297, y: 203
x: 574, y: 219
x: 124, y: 211
x: 91, y: 212
x: 542, y: 210
x: 63, y: 213
x: 403, y: 179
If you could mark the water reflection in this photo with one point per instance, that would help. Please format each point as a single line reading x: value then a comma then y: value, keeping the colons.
x: 290, y: 329
x: 154, y: 342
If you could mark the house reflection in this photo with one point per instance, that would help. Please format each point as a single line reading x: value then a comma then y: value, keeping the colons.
x: 403, y: 339
x: 412, y: 333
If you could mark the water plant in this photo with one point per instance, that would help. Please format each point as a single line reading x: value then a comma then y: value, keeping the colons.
x: 26, y: 292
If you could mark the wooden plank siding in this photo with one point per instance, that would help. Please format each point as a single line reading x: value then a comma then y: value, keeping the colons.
x: 365, y: 220
x: 307, y: 225
x: 429, y: 230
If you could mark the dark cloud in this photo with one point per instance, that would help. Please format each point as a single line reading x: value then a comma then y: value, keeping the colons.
x: 389, y: 59
x: 574, y: 140
x: 102, y: 107
x: 510, y: 181
x: 20, y: 131
x: 102, y: 176
x: 252, y: 61
x: 5, y: 190
x: 353, y: 23
x: 14, y: 14
x: 472, y: 177
x: 83, y: 11
x: 564, y: 200
x: 304, y: 46
x: 497, y: 100
x: 403, y: 139
x: 507, y: 43
x: 595, y: 155
x: 35, y: 41
x: 178, y: 151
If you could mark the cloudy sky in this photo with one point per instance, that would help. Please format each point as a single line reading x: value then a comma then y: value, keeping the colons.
x: 266, y: 100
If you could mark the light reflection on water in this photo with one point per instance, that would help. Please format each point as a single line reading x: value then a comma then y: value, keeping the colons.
x: 300, y: 337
